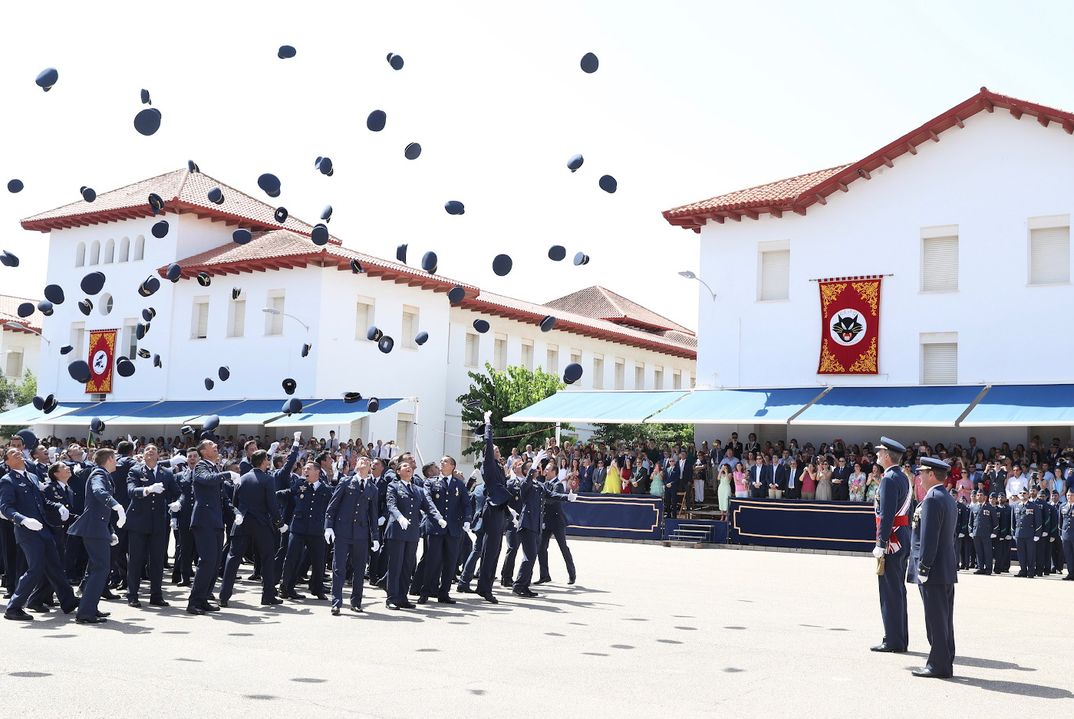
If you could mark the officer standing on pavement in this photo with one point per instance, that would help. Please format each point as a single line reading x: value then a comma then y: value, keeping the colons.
x: 404, y: 505
x: 983, y: 531
x: 534, y: 492
x: 58, y: 501
x: 493, y: 515
x: 1026, y: 535
x: 207, y: 525
x: 449, y: 494
x: 350, y: 523
x: 1066, y: 533
x: 555, y: 525
x: 934, y: 567
x: 1001, y: 543
x: 893, y: 544
x: 94, y: 527
x: 311, y: 496
x: 153, y: 492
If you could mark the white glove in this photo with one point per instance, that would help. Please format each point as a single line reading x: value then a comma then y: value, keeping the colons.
x: 488, y: 415
x: 122, y: 515
x: 878, y: 552
x: 177, y: 460
x: 273, y: 447
x: 1008, y: 537
x: 65, y: 513
x: 442, y: 522
x: 961, y: 534
x: 924, y: 578
x: 115, y: 540
x: 283, y: 529
x: 404, y: 522
x: 466, y: 527
x: 993, y: 536
x: 234, y: 476
x: 540, y: 455
x: 298, y: 436
x: 238, y: 519
x: 1036, y: 539
x: 32, y: 524
x: 376, y: 545
x: 473, y: 537
x: 571, y: 496
x: 174, y: 523
x: 380, y: 522
x: 157, y: 488
x: 329, y: 535
x: 176, y: 505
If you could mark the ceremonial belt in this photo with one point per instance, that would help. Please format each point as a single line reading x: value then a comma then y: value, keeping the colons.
x: 901, y: 519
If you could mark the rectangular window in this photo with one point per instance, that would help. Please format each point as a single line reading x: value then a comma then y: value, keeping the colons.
x: 598, y: 372
x: 403, y: 438
x: 939, y: 259
x: 410, y: 325
x: 775, y: 275
x: 274, y: 319
x: 13, y: 367
x: 527, y: 354
x: 236, y: 318
x: 363, y: 317
x: 658, y: 378
x: 499, y: 352
x: 471, y: 349
x: 676, y: 379
x: 620, y: 372
x: 551, y: 359
x: 576, y: 356
x: 1049, y: 254
x: 939, y: 362
x: 199, y: 320
x: 639, y: 376
x: 693, y: 381
x: 130, y: 339
x: 78, y: 339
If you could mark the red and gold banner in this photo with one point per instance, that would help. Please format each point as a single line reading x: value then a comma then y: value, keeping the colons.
x: 102, y: 353
x: 849, y: 325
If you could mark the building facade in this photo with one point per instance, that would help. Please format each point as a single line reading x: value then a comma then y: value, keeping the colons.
x: 20, y: 342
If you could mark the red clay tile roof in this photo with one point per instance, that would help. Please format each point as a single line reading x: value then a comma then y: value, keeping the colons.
x: 603, y: 304
x: 9, y: 314
x: 797, y: 194
x: 182, y: 191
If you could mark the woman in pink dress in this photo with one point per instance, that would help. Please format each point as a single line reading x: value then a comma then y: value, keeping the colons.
x: 809, y: 482
x: 963, y: 484
x: 741, y: 481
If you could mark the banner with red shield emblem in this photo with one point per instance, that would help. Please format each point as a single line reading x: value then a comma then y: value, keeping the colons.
x: 849, y: 325
x: 102, y: 353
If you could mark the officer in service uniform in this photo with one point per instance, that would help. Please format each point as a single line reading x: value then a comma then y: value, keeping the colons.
x: 474, y: 512
x: 962, y: 531
x: 449, y: 494
x: 404, y: 502
x: 58, y: 502
x: 1027, y: 526
x: 493, y: 515
x: 893, y: 544
x: 1001, y: 545
x: 983, y: 531
x: 311, y: 497
x: 934, y: 567
x: 207, y: 525
x: 534, y: 492
x: 1044, y: 555
x: 153, y: 492
x: 94, y: 527
x: 1066, y: 533
x: 350, y: 522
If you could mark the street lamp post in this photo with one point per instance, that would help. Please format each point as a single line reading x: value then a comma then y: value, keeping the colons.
x: 691, y: 276
x: 273, y: 311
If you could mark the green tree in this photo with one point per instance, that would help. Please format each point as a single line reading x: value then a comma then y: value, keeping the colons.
x: 505, y: 393
x: 16, y: 394
x: 673, y: 434
x: 26, y: 390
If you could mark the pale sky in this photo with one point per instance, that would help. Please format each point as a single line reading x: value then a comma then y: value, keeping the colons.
x: 692, y: 99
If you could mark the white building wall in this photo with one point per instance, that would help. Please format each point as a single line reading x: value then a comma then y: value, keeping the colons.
x: 26, y: 344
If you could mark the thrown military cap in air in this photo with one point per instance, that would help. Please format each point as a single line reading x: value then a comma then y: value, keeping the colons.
x: 608, y: 184
x: 157, y: 362
x: 319, y: 234
x: 280, y: 214
x: 204, y: 279
x: 54, y: 294
x: 548, y: 323
x: 372, y: 405
x: 289, y: 385
x: 286, y: 52
x: 9, y: 260
x: 385, y: 344
x: 412, y: 151
x: 25, y: 309
x: 15, y: 186
x: 147, y: 121
x: 148, y: 314
x: 269, y: 184
x: 241, y: 236
x: 456, y: 295
x: 373, y: 334
x: 156, y: 203
x: 396, y: 61
x: 356, y: 267
x: 482, y: 326
x: 352, y: 397
x: 324, y: 165
x: 87, y: 193
x: 160, y: 229
x: 306, y: 349
x: 216, y: 196
x: 421, y: 338
x: 400, y: 253
x: 590, y: 63
x: 47, y: 78
x: 45, y: 308
x: 141, y: 330
x: 97, y: 425
x: 85, y: 306
x: 79, y: 371
x: 124, y: 367
x: 575, y: 162
x: 92, y: 283
x: 292, y: 406
x: 145, y: 97
x: 143, y: 353
x: 502, y: 264
x: 572, y: 373
x: 428, y: 262
x: 376, y: 120
x: 211, y: 423
x: 326, y: 213
x: 235, y: 292
x: 174, y: 272
x: 209, y: 384
x: 454, y: 207
x: 224, y: 374
x: 66, y: 349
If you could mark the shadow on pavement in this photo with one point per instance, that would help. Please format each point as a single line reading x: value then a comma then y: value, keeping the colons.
x: 1018, y: 688
x: 980, y: 663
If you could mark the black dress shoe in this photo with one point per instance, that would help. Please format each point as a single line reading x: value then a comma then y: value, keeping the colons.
x: 886, y: 648
x: 928, y: 673
x: 109, y: 595
x: 158, y: 603
x: 90, y: 620
x: 223, y: 603
x: 184, y: 583
x: 356, y: 608
x: 446, y: 600
x: 461, y: 589
x: 505, y: 582
x: 321, y: 596
x: 293, y: 596
x: 70, y: 608
x: 102, y: 615
x: 255, y: 577
x: 543, y: 580
x: 134, y: 603
x: 423, y: 599
x: 523, y: 593
x: 490, y: 598
x: 18, y: 615
x: 195, y: 610
x: 335, y: 611
x: 206, y: 607
x: 271, y: 602
x: 408, y: 605
x: 39, y: 608
x: 572, y: 580
x: 389, y: 604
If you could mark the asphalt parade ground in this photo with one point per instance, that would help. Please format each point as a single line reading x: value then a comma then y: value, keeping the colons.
x: 647, y: 631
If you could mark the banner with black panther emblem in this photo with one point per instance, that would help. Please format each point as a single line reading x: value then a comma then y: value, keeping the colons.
x: 849, y: 325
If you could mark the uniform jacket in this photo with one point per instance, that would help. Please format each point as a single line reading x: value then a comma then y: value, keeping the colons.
x: 1003, y: 520
x: 1027, y: 522
x: 449, y: 496
x: 982, y: 521
x: 310, y: 506
x: 208, y: 512
x: 1066, y: 524
x: 352, y: 510
x: 553, y: 511
x: 185, y: 480
x: 80, y: 472
x: 407, y: 500
x: 95, y: 521
x: 476, y: 507
x: 932, y: 545
x: 148, y: 512
x: 124, y: 465
x: 890, y: 498
x: 532, y: 495
x: 57, y: 495
x: 21, y: 498
x: 255, y: 500
x: 495, y: 482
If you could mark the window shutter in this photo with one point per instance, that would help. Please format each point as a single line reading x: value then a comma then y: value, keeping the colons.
x: 940, y: 363
x: 775, y: 275
x: 939, y: 264
x: 1049, y: 255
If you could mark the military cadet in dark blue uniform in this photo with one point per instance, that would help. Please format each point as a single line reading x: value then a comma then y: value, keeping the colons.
x: 94, y: 527
x: 934, y: 567
x: 404, y: 503
x: 1001, y: 542
x: 13, y: 560
x: 477, y: 534
x: 1055, y: 544
x: 23, y: 504
x: 962, y: 534
x: 493, y: 515
x: 153, y: 492
x: 1066, y: 533
x: 74, y: 565
x: 207, y: 525
x: 350, y: 523
x: 893, y: 544
x: 125, y: 462
x: 311, y: 497
x: 378, y: 563
x: 555, y: 525
x: 983, y: 531
x: 258, y: 521
x: 519, y: 472
x: 535, y: 491
x: 1044, y: 554
x: 58, y: 501
x: 448, y: 493
x: 1026, y: 535
x: 183, y: 567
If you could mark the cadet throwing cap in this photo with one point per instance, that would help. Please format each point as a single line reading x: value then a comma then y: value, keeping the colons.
x: 147, y: 122
x: 92, y: 283
x: 47, y: 78
x: 160, y: 229
x: 319, y: 234
x: 400, y: 253
x: 548, y: 323
x: 572, y: 373
x: 373, y: 334
x: 456, y: 294
x: 412, y: 151
x: 174, y: 272
x: 25, y: 309
x: 209, y: 384
x: 85, y: 306
x: 224, y: 374
x: 87, y: 193
x: 502, y: 264
x: 216, y: 196
x: 608, y: 184
x: 204, y: 280
x: 428, y: 262
x: 376, y: 120
x: 280, y: 215
x: 269, y: 184
x: 454, y: 207
x: 575, y: 162
x: 14, y: 186
x: 289, y: 385
x: 9, y: 260
x: 79, y: 371
x: 421, y: 338
x: 124, y: 367
x: 589, y: 63
x: 286, y: 52
x: 482, y: 326
x: 385, y: 344
x: 396, y: 61
x: 54, y: 294
x: 241, y: 236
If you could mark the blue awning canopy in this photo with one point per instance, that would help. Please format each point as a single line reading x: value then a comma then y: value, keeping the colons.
x: 107, y: 411
x: 587, y: 407
x: 917, y: 406
x: 737, y: 406
x: 1041, y: 405
x: 28, y: 414
x: 331, y: 412
x: 145, y: 414
x: 246, y: 412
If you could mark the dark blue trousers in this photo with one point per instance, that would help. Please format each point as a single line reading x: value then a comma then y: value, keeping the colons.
x: 315, y: 546
x: 469, y: 566
x: 492, y: 522
x: 528, y: 539
x: 402, y: 556
x: 1068, y: 554
x: 358, y: 554
x: 560, y: 533
x: 939, y: 601
x: 264, y: 543
x: 983, y: 547
x: 1027, y: 556
x: 142, y: 546
x: 893, y: 598
x: 42, y: 562
x: 507, y: 571
x: 209, y: 542
x: 44, y: 591
x: 98, y: 565
x: 441, y: 558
